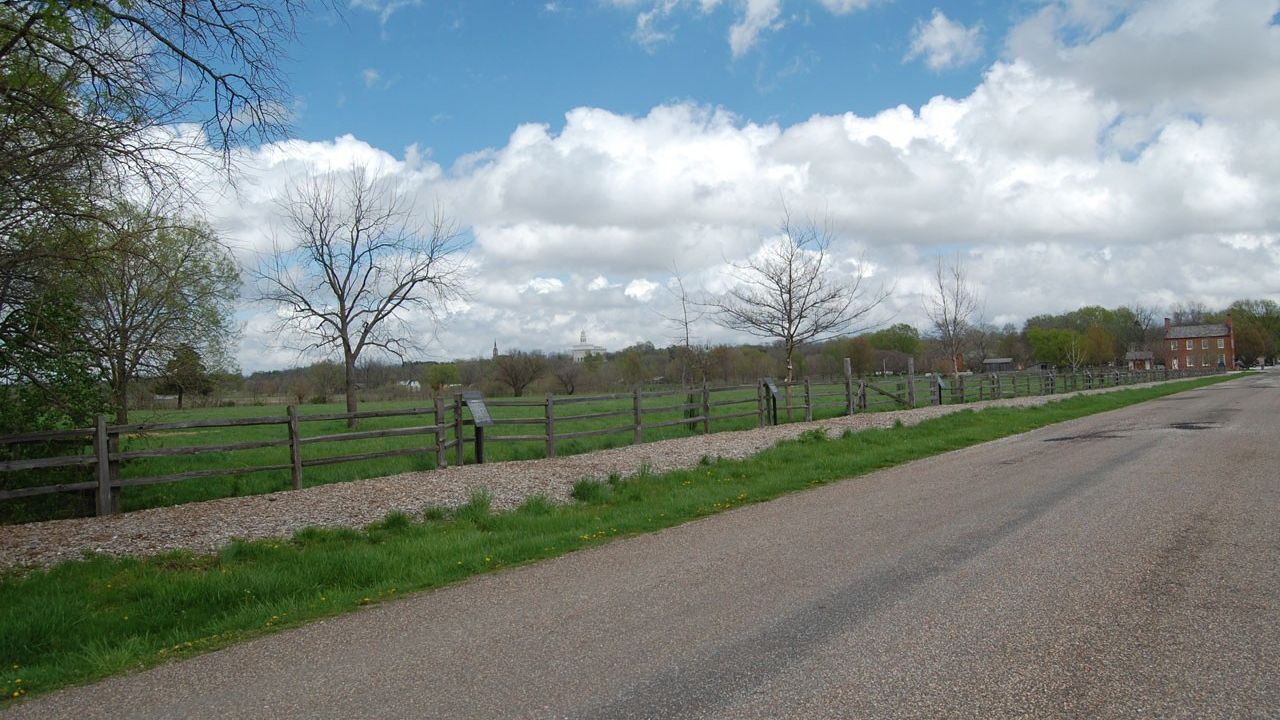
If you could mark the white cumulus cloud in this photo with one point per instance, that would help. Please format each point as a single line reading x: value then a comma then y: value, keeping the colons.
x: 641, y: 289
x: 944, y: 43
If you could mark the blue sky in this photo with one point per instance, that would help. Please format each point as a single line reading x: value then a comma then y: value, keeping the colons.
x: 1071, y: 152
x: 456, y: 77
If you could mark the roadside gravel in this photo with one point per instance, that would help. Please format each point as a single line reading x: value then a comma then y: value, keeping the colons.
x: 207, y: 526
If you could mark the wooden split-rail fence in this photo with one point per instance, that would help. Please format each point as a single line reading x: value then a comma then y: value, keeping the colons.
x: 100, y: 454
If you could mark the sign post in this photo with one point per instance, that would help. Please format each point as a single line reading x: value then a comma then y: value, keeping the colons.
x: 772, y: 399
x: 480, y: 417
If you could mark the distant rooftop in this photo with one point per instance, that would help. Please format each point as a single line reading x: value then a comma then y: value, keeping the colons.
x: 1179, y: 332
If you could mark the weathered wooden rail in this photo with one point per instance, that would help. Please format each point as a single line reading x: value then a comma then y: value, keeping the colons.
x: 697, y: 409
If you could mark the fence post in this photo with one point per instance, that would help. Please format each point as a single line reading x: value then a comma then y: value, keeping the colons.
x: 911, y: 381
x: 442, y: 457
x: 551, y: 425
x: 862, y: 394
x: 760, y: 403
x: 706, y: 408
x: 101, y: 448
x: 460, y: 444
x: 786, y: 393
x: 635, y: 408
x: 113, y: 468
x: 808, y: 401
x: 295, y: 449
x: 848, y: 385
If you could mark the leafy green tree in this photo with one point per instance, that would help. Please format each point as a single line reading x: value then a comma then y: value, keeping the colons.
x: 632, y: 368
x: 48, y: 380
x: 1055, y: 347
x: 900, y: 337
x: 162, y: 283
x: 1257, y: 329
x: 438, y: 376
x: 1252, y: 341
x: 185, y: 373
x: 1099, y: 346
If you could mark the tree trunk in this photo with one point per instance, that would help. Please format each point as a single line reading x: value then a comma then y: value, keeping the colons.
x: 179, y: 397
x: 352, y: 401
x: 122, y: 403
x: 120, y: 388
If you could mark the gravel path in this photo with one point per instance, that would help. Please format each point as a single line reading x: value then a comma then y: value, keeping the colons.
x: 207, y: 526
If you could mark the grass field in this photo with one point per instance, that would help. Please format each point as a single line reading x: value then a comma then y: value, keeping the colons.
x: 88, y: 619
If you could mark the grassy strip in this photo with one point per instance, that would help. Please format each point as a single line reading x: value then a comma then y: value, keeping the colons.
x: 92, y: 618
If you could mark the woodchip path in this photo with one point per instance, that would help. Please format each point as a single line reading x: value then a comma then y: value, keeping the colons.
x: 205, y: 527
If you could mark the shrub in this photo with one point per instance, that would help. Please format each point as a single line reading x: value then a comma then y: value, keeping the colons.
x: 478, y: 510
x: 818, y: 434
x: 590, y: 491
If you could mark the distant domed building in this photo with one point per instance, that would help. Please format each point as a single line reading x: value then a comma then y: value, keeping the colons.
x: 584, y: 348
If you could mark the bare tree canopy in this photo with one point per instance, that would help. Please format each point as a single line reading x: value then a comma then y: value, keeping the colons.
x: 88, y: 86
x: 790, y: 291
x: 567, y: 373
x: 144, y: 63
x: 952, y: 306
x: 357, y: 264
x: 519, y: 369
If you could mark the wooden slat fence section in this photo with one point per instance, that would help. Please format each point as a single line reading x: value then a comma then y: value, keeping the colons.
x: 698, y: 409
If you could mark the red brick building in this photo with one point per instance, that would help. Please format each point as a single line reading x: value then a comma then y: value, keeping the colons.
x: 1188, y: 347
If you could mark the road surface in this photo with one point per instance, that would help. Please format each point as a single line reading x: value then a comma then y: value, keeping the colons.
x: 1122, y: 565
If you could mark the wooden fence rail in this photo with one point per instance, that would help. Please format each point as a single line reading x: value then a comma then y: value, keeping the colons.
x: 699, y: 408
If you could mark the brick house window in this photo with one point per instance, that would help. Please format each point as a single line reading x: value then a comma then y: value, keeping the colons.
x: 1222, y: 343
x: 1222, y: 359
x: 1191, y: 344
x: 1204, y: 344
x: 1191, y: 362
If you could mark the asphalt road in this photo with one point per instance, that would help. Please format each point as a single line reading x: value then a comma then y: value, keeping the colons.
x: 1123, y: 565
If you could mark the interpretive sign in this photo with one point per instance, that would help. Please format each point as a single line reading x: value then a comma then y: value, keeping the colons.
x: 773, y: 386
x: 479, y: 412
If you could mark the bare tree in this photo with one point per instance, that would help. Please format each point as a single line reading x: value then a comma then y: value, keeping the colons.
x: 953, y: 307
x: 1146, y: 327
x: 1075, y: 353
x: 1192, y: 313
x: 682, y: 320
x: 519, y: 369
x: 358, y: 264
x: 790, y: 292
x: 567, y: 373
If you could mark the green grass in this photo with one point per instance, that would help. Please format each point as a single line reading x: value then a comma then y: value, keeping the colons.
x: 87, y: 619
